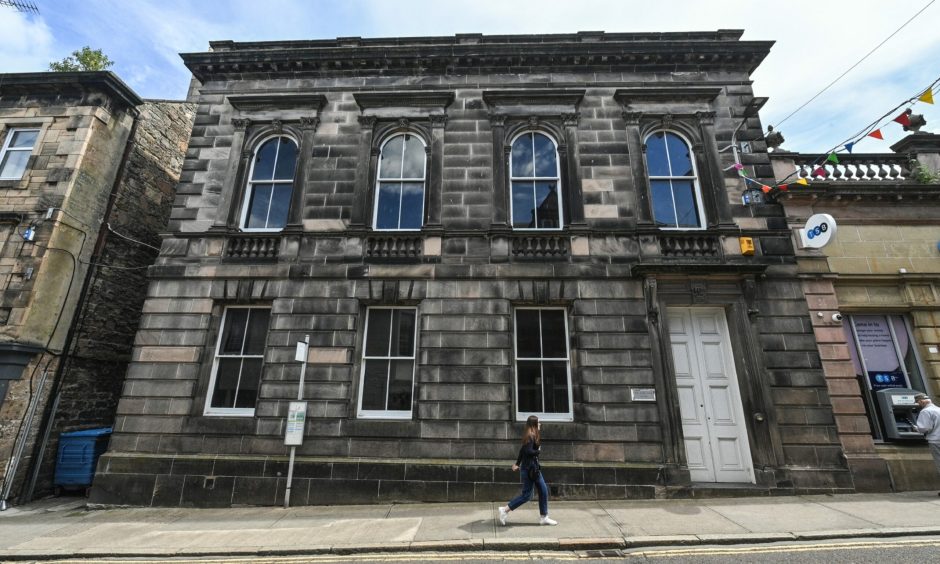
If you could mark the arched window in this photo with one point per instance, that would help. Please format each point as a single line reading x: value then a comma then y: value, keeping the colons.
x: 399, y: 202
x: 270, y: 183
x: 674, y: 191
x: 535, y: 180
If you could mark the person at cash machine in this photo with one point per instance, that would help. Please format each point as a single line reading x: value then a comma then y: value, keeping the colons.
x: 928, y: 423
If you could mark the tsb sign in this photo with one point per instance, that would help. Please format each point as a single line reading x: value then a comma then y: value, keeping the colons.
x: 818, y: 231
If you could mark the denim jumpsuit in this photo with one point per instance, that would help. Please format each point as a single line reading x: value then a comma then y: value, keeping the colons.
x: 527, y: 454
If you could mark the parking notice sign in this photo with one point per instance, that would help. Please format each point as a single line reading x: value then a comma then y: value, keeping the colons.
x: 296, y: 417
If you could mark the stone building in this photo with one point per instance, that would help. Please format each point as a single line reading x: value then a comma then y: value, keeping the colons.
x: 880, y: 273
x: 472, y: 230
x: 88, y: 172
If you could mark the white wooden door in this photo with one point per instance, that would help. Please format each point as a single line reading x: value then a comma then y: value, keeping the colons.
x: 716, y: 443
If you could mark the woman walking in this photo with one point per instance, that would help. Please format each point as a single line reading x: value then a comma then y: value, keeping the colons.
x: 527, y: 463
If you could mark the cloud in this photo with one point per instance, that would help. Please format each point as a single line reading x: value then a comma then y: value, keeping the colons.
x: 27, y: 44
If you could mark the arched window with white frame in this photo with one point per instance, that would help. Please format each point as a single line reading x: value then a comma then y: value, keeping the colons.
x: 400, y: 183
x: 270, y: 184
x: 535, y: 180
x: 675, y: 194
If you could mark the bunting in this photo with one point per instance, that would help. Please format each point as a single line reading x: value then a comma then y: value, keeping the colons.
x: 874, y: 131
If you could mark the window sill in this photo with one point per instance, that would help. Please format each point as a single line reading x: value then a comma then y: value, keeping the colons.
x: 229, y: 413
x: 547, y: 417
x: 393, y: 415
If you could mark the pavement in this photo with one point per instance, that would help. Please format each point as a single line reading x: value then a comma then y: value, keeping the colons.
x: 62, y: 527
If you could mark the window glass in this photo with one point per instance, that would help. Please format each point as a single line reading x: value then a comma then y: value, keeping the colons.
x: 400, y: 205
x: 680, y: 158
x: 543, y: 381
x: 686, y: 210
x: 674, y: 193
x: 535, y: 203
x: 388, y: 363
x: 286, y: 160
x: 546, y: 161
x: 523, y: 204
x: 413, y: 165
x: 239, y: 359
x: 272, y: 182
x: 24, y: 138
x: 522, y: 163
x: 656, y: 158
x: 390, y: 163
x: 17, y: 148
x: 265, y: 159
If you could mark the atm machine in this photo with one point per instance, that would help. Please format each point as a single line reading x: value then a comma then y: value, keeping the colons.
x: 899, y: 411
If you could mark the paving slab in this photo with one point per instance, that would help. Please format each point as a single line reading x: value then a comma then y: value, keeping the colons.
x: 784, y: 514
x: 651, y: 518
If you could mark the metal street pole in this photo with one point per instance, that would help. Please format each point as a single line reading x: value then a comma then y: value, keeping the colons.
x: 296, y: 415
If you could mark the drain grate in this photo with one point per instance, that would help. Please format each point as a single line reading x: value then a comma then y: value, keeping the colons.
x: 608, y: 553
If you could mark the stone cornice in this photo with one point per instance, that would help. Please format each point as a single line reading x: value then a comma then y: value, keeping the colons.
x: 533, y: 97
x: 403, y: 99
x: 67, y: 82
x: 260, y: 102
x: 667, y: 52
x: 678, y: 93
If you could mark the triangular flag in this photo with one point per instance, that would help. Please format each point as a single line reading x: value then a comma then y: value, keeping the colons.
x: 877, y: 134
x: 784, y: 187
x: 803, y: 182
x: 832, y: 158
x: 903, y: 119
x: 738, y: 166
x: 819, y: 171
x: 848, y: 146
x: 765, y: 188
x: 927, y: 96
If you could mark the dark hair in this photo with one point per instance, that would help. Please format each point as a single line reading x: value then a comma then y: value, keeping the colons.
x: 531, y: 431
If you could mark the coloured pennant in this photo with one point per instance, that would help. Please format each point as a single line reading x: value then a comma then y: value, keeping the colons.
x: 848, y: 146
x: 765, y: 188
x: 784, y: 187
x: 820, y: 171
x: 927, y: 97
x: 738, y: 166
x: 903, y: 119
x: 877, y: 134
x: 832, y: 158
x: 803, y: 182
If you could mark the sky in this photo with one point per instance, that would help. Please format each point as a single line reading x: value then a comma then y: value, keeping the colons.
x: 816, y: 41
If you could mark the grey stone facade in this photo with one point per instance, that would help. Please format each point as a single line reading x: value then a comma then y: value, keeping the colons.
x: 103, y: 168
x: 611, y: 270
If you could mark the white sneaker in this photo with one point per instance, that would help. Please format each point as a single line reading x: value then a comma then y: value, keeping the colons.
x: 546, y: 520
x: 503, y: 514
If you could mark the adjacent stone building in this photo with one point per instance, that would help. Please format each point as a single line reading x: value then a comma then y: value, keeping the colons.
x: 87, y: 172
x: 880, y: 274
x: 472, y: 230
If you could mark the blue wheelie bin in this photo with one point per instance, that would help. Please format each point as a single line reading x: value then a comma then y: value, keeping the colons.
x: 77, y: 457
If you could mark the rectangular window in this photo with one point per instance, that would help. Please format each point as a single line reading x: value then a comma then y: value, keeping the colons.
x: 239, y: 358
x: 386, y: 385
x: 885, y: 356
x: 543, y: 370
x: 17, y: 147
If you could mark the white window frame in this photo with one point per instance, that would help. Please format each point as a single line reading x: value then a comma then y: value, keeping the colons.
x: 249, y: 183
x: 386, y: 413
x: 230, y: 411
x: 379, y: 179
x: 523, y: 415
x: 699, y: 204
x: 7, y: 149
x: 556, y: 178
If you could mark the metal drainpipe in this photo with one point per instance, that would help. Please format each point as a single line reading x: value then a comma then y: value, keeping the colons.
x: 48, y: 417
x: 20, y: 446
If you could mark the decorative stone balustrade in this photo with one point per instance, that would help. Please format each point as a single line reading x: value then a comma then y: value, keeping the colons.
x: 393, y: 247
x: 541, y: 246
x: 258, y: 247
x: 854, y: 168
x: 689, y: 246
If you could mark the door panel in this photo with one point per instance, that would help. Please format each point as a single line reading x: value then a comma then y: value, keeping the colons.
x: 709, y: 401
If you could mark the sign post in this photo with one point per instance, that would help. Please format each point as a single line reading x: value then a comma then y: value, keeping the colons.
x: 296, y: 416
